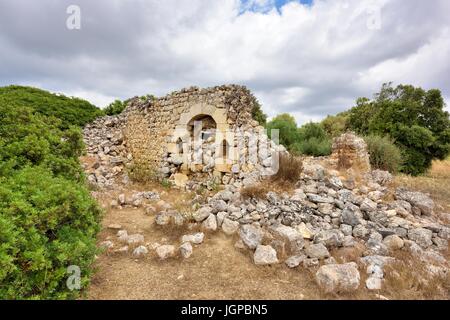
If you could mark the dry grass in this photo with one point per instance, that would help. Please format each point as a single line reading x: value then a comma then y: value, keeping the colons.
x: 290, y: 168
x: 436, y: 182
x: 256, y: 191
x: 407, y: 278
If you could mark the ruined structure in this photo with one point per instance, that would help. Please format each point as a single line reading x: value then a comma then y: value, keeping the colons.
x: 197, y: 132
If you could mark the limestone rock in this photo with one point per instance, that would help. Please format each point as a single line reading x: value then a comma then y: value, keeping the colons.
x: 229, y: 227
x: 318, y: 251
x: 338, y: 277
x: 140, y: 251
x: 210, y: 224
x: 251, y: 235
x: 165, y: 251
x: 186, y: 250
x: 265, y: 255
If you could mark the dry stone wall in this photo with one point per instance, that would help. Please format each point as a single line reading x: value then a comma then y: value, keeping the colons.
x: 159, y: 135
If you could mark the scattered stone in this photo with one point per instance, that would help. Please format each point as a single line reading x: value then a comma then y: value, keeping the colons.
x: 417, y: 199
x: 338, y: 277
x: 374, y: 283
x: 106, y: 244
x: 318, y: 251
x: 196, y: 238
x: 123, y: 249
x: 140, y: 251
x: 162, y: 218
x: 294, y: 261
x: 310, y: 262
x: 202, y: 213
x: 135, y: 239
x: 421, y: 236
x: 210, y: 224
x: 186, y: 250
x: 115, y: 226
x: 251, y: 236
x: 122, y: 199
x: 265, y: 255
x: 229, y: 226
x: 165, y: 251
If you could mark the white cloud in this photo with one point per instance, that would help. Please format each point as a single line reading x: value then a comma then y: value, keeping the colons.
x: 307, y: 60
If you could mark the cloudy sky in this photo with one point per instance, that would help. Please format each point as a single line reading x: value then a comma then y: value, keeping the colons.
x: 308, y: 58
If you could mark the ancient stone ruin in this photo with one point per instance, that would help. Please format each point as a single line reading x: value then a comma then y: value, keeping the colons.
x: 201, y: 133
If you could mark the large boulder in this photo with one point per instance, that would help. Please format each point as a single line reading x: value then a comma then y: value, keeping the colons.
x: 291, y: 236
x: 422, y: 202
x: 338, y: 277
x: 251, y: 235
x: 265, y: 255
x: 421, y: 236
x: 317, y: 250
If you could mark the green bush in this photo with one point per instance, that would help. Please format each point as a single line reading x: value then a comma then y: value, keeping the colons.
x: 384, y: 154
x: 313, y: 141
x: 48, y: 220
x: 288, y: 131
x: 47, y: 224
x: 115, y: 107
x: 413, y: 117
x: 70, y: 111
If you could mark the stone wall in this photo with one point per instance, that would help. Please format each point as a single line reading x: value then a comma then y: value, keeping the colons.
x: 160, y: 138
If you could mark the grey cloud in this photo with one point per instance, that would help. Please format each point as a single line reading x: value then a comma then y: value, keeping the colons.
x: 127, y: 48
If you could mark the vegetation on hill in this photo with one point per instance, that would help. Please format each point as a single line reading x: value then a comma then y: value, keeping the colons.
x: 406, y: 129
x: 48, y: 220
x: 71, y: 111
x: 414, y: 118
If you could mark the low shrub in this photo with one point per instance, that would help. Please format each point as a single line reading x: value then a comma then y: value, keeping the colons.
x: 47, y: 224
x: 384, y: 154
x: 256, y: 191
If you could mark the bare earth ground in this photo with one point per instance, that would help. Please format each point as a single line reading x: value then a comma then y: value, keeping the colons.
x: 217, y: 270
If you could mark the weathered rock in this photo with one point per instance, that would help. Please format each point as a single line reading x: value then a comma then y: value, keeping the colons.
x: 368, y: 205
x: 163, y: 218
x: 351, y: 216
x: 251, y: 235
x: 294, y: 261
x: 210, y: 224
x: 318, y: 251
x: 165, y: 251
x: 202, y: 213
x: 374, y: 283
x: 310, y: 262
x: 140, y: 251
x: 329, y: 238
x: 115, y: 226
x: 265, y: 255
x: 220, y: 216
x: 421, y: 236
x: 135, y: 239
x: 417, y: 199
x: 229, y: 227
x: 186, y: 250
x: 305, y: 231
x: 292, y: 237
x: 196, y: 238
x: 218, y: 205
x: 338, y: 277
x: 122, y: 199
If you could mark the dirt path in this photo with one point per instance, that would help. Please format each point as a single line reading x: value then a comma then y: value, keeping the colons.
x: 216, y: 269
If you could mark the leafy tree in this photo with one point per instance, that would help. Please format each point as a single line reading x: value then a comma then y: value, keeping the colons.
x: 335, y: 125
x: 413, y: 117
x: 287, y: 126
x: 258, y: 114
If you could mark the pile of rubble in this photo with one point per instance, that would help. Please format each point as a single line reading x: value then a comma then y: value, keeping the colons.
x: 106, y: 146
x: 325, y: 212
